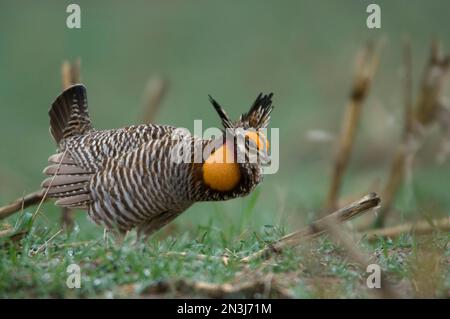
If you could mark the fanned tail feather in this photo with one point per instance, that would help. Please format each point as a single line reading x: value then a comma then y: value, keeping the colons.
x: 67, y: 181
x: 69, y: 114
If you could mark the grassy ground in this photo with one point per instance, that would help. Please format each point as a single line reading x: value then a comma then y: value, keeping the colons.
x: 184, y: 264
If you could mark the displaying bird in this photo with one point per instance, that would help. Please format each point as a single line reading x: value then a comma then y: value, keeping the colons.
x: 131, y: 177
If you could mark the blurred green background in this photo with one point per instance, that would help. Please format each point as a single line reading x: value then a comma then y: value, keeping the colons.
x: 303, y: 51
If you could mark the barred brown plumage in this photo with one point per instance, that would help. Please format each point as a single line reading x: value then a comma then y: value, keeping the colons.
x: 126, y: 178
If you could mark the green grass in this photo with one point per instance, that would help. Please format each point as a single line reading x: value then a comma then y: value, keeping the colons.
x: 33, y: 267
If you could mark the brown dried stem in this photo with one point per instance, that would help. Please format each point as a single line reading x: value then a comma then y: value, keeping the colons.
x: 418, y: 228
x: 155, y: 92
x: 424, y: 114
x: 21, y: 203
x: 409, y: 119
x: 318, y: 227
x: 366, y: 66
x: 70, y: 75
x: 223, y: 258
x: 265, y: 286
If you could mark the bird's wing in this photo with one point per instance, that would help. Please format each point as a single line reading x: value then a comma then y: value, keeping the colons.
x: 93, y: 150
x: 137, y: 186
x: 125, y: 189
x: 83, y: 156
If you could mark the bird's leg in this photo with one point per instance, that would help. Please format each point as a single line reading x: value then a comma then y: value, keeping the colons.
x: 119, y: 238
x: 140, y: 234
x: 144, y: 231
x: 106, y: 237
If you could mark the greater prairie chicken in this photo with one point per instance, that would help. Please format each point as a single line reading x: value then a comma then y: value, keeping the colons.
x: 127, y: 178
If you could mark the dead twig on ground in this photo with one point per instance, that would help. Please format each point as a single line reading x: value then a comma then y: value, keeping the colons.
x: 6, y: 232
x: 264, y: 286
x: 223, y: 258
x: 318, y: 227
x: 366, y: 66
x: 418, y: 228
x: 21, y: 203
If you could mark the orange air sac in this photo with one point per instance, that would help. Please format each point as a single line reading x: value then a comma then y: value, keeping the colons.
x: 220, y: 172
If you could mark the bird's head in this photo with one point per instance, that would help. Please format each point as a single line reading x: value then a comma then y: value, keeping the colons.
x: 236, y: 162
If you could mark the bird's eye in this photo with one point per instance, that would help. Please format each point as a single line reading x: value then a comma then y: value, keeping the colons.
x: 259, y: 139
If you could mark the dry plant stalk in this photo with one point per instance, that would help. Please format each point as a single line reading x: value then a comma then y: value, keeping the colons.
x: 70, y: 75
x: 265, y: 286
x: 40, y: 248
x: 223, y: 258
x: 318, y: 227
x: 426, y: 111
x: 20, y: 203
x: 407, y: 90
x: 366, y: 66
x: 418, y: 228
x: 7, y: 231
x: 155, y: 92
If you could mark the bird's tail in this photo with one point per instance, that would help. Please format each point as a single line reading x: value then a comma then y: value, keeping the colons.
x: 69, y: 114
